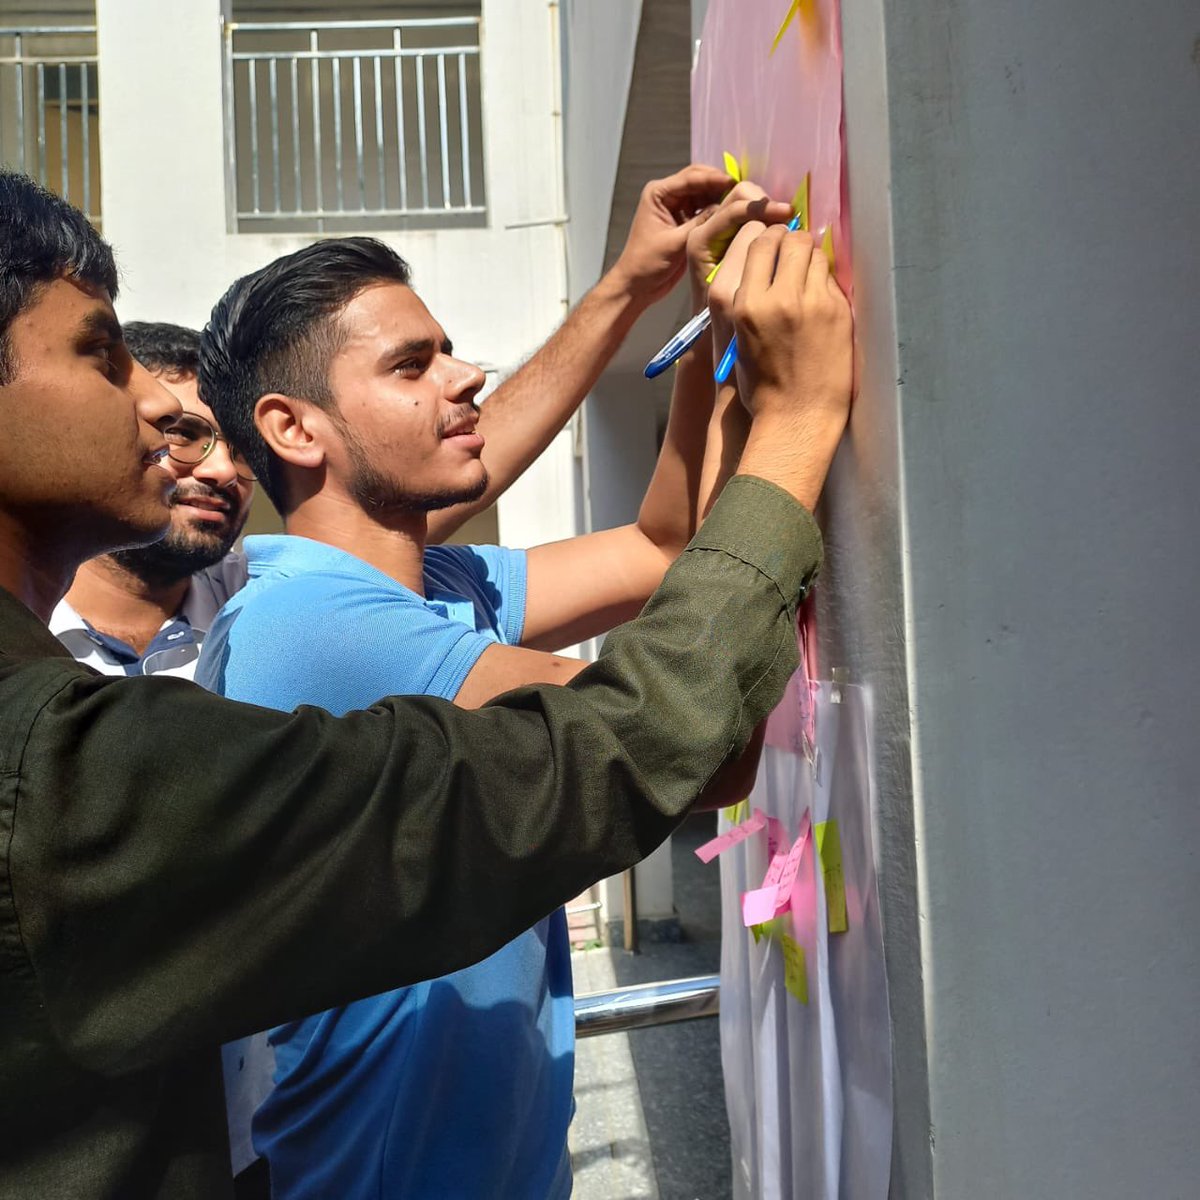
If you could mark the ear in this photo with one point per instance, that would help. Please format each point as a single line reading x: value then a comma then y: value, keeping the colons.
x: 294, y: 430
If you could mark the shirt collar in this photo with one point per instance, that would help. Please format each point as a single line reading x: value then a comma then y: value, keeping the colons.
x: 286, y: 554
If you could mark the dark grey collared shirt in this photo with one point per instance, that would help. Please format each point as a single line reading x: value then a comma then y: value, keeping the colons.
x: 177, y: 870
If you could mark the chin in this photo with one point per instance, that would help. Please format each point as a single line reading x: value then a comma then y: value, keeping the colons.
x: 133, y: 535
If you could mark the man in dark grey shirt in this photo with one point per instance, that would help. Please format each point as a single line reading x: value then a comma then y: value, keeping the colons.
x: 167, y: 884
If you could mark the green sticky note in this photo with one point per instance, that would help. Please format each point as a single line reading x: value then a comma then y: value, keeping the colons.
x: 735, y: 814
x: 767, y: 929
x: 795, y: 976
x: 791, y: 16
x: 800, y: 200
x: 827, y: 246
x: 829, y: 851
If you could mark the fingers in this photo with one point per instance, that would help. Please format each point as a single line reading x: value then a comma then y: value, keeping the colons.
x: 725, y: 285
x: 688, y: 191
x: 718, y: 225
x: 761, y: 260
x: 797, y: 253
x: 712, y: 233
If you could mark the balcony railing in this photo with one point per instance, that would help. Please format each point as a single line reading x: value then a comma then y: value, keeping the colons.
x: 49, y: 116
x: 354, y: 124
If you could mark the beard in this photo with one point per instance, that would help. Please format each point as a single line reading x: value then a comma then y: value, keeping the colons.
x: 374, y: 491
x: 181, y: 552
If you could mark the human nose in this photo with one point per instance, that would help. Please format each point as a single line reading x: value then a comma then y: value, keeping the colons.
x: 217, y: 466
x: 466, y: 381
x: 155, y: 405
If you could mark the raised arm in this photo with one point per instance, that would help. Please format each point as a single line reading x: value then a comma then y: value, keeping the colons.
x: 522, y: 416
x: 584, y: 586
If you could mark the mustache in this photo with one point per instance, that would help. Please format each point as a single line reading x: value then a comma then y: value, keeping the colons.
x: 202, y: 491
x: 457, y: 416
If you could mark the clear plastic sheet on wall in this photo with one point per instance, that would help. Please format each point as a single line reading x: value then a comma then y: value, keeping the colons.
x: 808, y: 1084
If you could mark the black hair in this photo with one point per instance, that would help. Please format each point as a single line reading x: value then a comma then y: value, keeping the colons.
x: 165, y: 349
x: 42, y: 238
x: 277, y: 330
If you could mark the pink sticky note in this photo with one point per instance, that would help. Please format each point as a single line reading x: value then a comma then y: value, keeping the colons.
x: 767, y: 902
x: 776, y: 835
x: 759, y: 906
x: 731, y: 837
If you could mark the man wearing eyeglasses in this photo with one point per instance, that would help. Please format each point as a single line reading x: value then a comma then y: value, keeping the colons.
x: 145, y: 610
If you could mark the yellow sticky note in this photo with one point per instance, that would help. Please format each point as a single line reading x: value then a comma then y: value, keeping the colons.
x: 713, y: 273
x: 735, y: 814
x: 732, y: 167
x: 795, y: 976
x: 829, y: 851
x: 827, y: 246
x: 800, y: 200
x: 767, y: 929
x: 791, y: 16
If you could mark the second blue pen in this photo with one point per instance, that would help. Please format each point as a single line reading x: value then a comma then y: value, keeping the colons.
x: 725, y: 366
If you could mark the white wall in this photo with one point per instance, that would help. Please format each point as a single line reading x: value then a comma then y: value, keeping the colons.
x: 598, y: 48
x: 1013, y: 567
x: 498, y: 290
x: 618, y: 449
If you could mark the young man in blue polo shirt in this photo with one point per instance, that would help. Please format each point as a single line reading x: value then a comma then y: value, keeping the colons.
x: 342, y: 391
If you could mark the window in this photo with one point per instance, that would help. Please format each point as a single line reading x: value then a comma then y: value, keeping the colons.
x: 337, y: 125
x: 49, y: 115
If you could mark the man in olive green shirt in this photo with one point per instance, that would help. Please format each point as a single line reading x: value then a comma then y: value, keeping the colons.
x: 166, y: 883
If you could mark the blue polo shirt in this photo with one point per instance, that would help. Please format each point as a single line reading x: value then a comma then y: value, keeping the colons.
x: 460, y: 1086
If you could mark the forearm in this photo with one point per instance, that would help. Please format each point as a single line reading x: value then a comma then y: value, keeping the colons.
x: 669, y: 512
x: 794, y: 453
x: 523, y: 415
x: 727, y: 432
x: 735, y: 778
x: 313, y: 860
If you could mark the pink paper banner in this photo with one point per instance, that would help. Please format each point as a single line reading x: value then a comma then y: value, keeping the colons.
x: 778, y: 111
x: 732, y: 837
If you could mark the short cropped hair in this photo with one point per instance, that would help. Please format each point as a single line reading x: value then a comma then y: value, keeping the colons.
x: 42, y: 238
x: 277, y: 330
x: 165, y: 349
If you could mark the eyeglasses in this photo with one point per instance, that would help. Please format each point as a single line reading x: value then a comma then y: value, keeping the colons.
x: 192, y: 438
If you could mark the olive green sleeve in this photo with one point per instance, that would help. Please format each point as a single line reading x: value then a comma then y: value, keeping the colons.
x: 184, y: 869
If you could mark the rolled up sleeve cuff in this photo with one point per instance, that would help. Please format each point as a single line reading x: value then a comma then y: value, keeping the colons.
x: 762, y: 525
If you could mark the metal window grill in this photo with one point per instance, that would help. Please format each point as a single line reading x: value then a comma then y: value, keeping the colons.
x: 337, y: 124
x: 49, y: 114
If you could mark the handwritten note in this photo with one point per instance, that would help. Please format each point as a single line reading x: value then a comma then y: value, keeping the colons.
x: 795, y: 973
x: 732, y: 837
x: 769, y: 900
x: 829, y: 851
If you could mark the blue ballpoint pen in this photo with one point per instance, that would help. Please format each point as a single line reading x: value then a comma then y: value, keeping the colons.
x: 725, y: 366
x: 679, y: 345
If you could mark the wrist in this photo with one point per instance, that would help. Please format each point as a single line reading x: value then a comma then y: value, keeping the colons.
x: 792, y: 452
x: 622, y: 289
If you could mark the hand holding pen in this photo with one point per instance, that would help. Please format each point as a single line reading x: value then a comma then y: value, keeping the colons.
x: 706, y: 243
x: 796, y: 362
